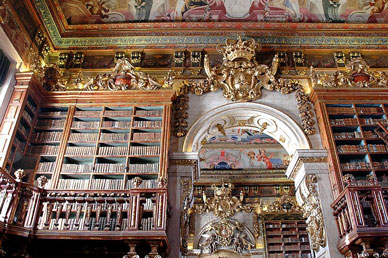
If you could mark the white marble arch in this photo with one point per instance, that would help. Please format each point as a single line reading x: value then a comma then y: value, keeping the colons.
x: 247, y: 115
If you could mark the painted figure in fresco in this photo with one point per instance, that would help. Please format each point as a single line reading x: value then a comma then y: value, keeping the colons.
x: 378, y: 7
x: 140, y: 10
x: 261, y: 156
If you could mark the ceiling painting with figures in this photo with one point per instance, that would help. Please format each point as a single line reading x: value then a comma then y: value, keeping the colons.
x: 77, y: 12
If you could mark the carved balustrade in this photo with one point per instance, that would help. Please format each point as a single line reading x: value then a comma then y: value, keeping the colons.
x: 29, y: 210
x: 8, y: 202
x: 90, y: 211
x: 361, y: 212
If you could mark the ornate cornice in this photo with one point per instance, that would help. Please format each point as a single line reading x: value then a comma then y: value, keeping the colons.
x: 303, y: 160
x: 196, y: 34
x: 183, y: 162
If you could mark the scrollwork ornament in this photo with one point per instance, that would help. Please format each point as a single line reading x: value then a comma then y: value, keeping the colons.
x: 312, y: 211
x: 240, y: 76
x: 180, y: 106
x: 222, y: 204
x: 185, y: 218
x: 356, y: 75
x: 227, y: 234
x: 125, y: 77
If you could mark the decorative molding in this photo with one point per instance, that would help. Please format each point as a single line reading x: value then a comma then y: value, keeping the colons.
x: 123, y: 77
x: 370, y: 37
x: 279, y: 126
x: 356, y: 75
x: 286, y: 204
x: 225, y: 234
x: 312, y: 211
x: 183, y: 162
x: 301, y: 161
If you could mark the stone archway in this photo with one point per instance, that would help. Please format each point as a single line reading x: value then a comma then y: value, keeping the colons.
x: 254, y: 116
x: 308, y: 168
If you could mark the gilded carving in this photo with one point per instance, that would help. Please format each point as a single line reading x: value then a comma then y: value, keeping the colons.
x: 312, y: 211
x: 242, y: 79
x: 180, y: 112
x: 225, y: 234
x: 240, y: 76
x: 222, y: 204
x: 19, y: 174
x: 185, y: 213
x: 285, y: 204
x: 42, y: 181
x: 357, y: 75
x: 123, y: 77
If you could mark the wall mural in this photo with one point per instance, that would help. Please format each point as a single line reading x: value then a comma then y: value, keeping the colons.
x: 243, y: 158
x: 243, y: 149
x: 233, y: 135
x: 119, y: 11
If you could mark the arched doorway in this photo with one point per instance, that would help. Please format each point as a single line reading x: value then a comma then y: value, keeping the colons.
x: 279, y: 126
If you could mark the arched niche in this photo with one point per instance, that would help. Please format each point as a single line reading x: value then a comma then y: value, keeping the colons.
x: 253, y: 116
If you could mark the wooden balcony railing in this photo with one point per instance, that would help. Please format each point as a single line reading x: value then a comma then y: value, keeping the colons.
x: 361, y: 213
x: 127, y: 214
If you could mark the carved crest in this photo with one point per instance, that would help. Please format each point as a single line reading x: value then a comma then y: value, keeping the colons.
x: 123, y: 77
x: 239, y: 75
x: 225, y: 234
x: 357, y: 74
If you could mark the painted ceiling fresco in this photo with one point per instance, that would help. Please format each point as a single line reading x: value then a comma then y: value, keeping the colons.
x: 123, y: 11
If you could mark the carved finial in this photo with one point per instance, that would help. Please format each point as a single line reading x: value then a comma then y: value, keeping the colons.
x: 162, y: 182
x: 136, y: 182
x: 42, y: 181
x: 372, y: 179
x: 19, y: 174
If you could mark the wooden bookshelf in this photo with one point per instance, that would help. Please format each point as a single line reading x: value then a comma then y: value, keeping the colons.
x: 358, y: 150
x: 104, y: 155
x: 100, y: 147
x: 287, y: 238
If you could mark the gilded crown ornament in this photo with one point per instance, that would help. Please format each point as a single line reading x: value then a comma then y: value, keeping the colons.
x: 239, y: 75
x: 223, y: 204
x: 233, y: 49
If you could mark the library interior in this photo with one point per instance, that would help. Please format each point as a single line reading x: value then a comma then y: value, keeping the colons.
x: 194, y: 128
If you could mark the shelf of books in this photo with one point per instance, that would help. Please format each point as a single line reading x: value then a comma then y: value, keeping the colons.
x: 359, y: 151
x: 24, y: 129
x: 97, y: 147
x: 287, y: 238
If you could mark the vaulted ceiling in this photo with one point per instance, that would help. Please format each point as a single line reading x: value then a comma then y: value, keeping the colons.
x: 151, y: 24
